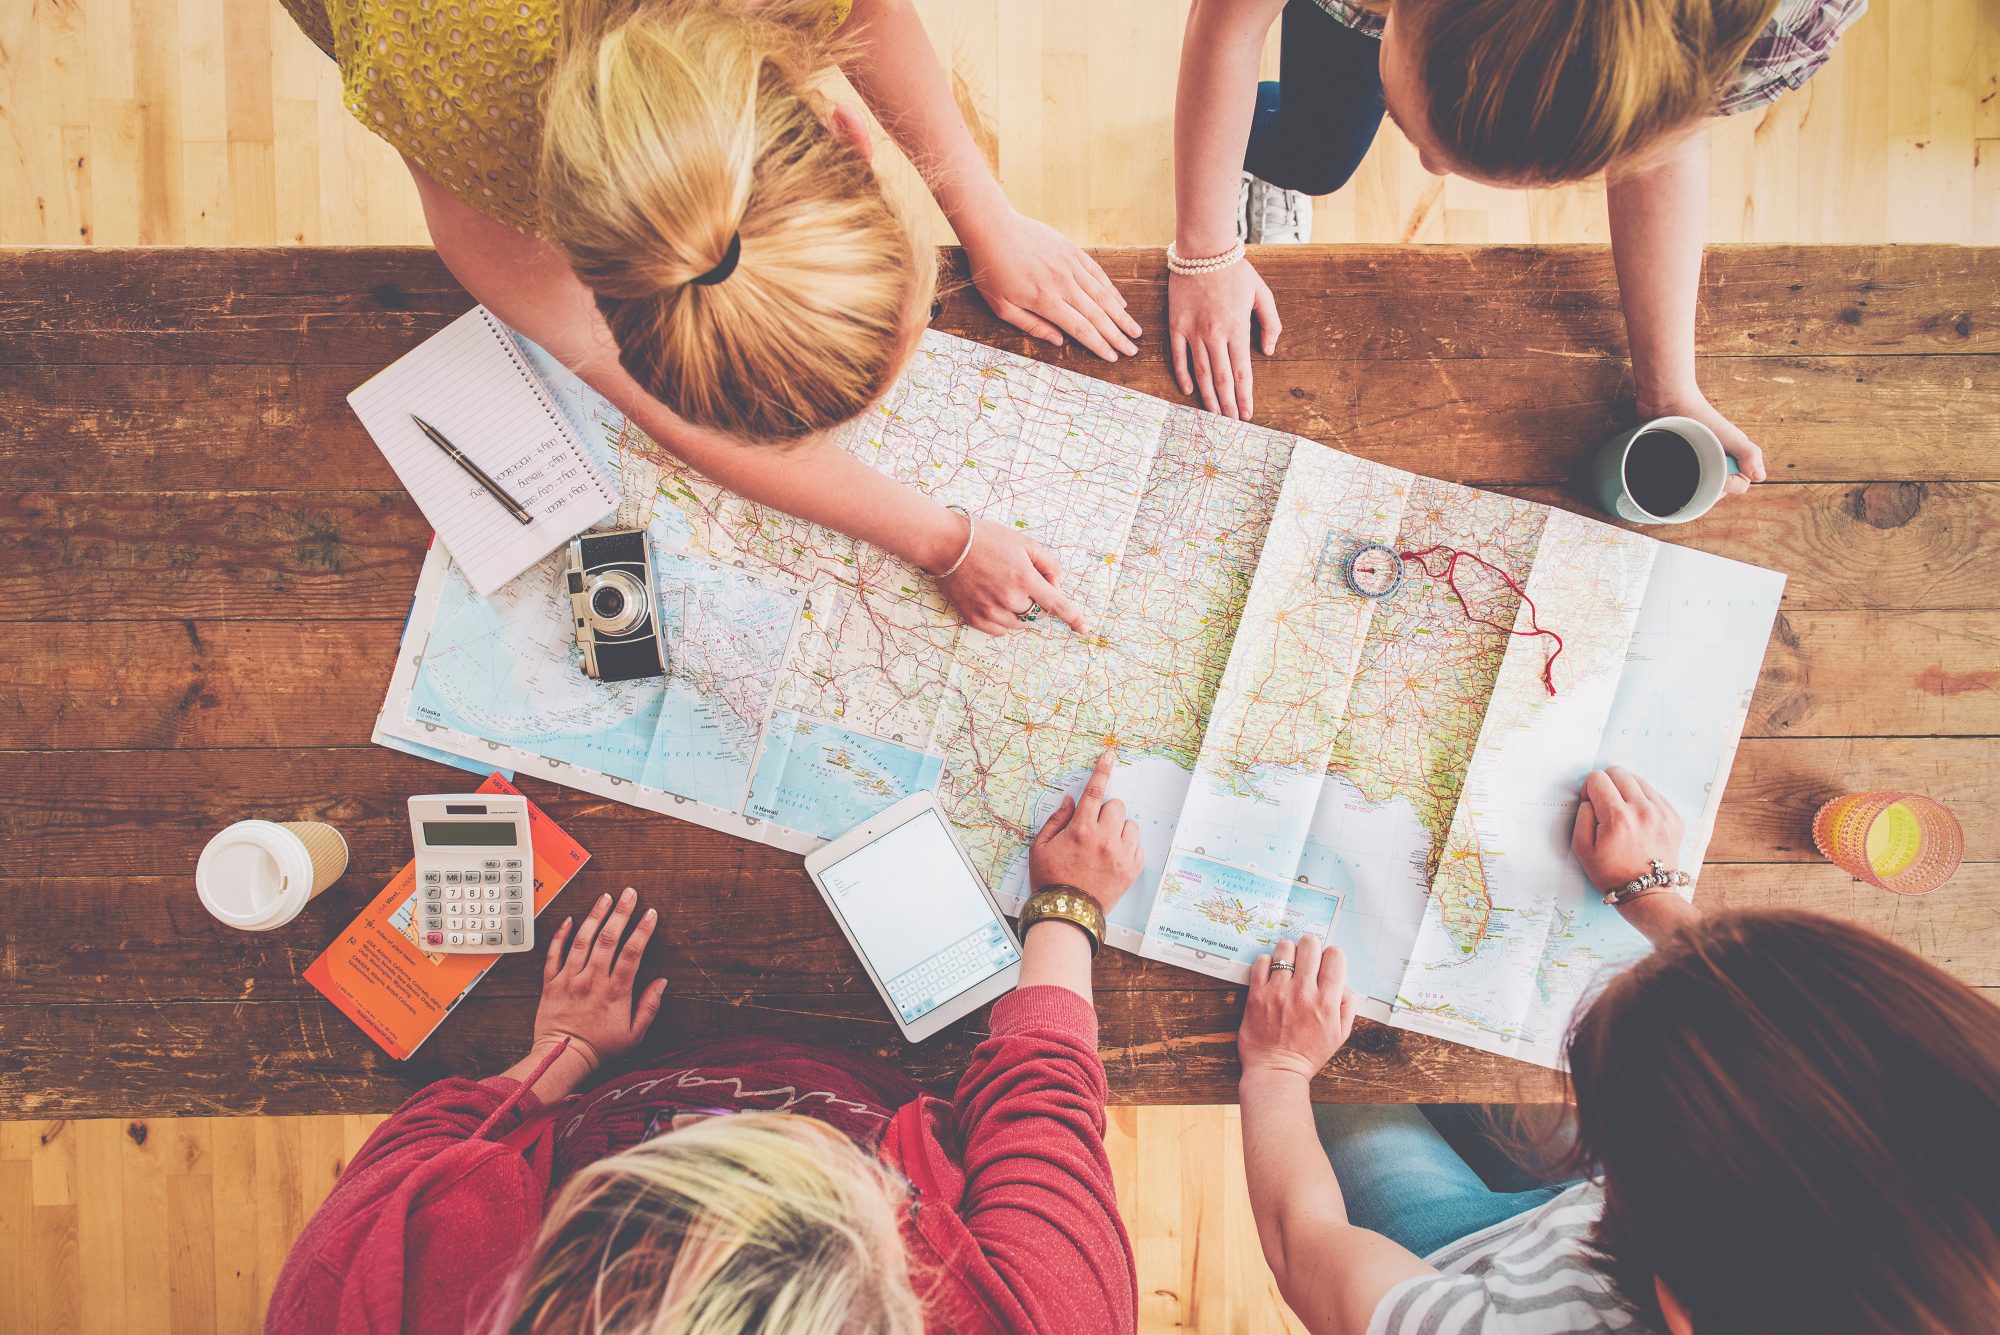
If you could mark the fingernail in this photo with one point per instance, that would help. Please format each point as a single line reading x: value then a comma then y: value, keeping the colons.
x: 652, y: 914
x: 629, y: 895
x: 604, y: 899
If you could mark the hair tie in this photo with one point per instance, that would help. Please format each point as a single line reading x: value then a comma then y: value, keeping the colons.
x: 726, y: 267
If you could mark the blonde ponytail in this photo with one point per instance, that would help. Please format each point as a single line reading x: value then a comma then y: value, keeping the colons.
x: 762, y: 1221
x: 682, y: 131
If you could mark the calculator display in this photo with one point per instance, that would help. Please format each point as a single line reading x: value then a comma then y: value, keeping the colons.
x: 468, y: 834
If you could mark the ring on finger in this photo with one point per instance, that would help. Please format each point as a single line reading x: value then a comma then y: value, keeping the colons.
x: 1286, y: 965
x: 1034, y: 610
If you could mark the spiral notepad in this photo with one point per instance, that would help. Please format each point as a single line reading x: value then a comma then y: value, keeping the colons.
x: 470, y: 381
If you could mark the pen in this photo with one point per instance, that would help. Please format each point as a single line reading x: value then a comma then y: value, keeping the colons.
x: 477, y: 473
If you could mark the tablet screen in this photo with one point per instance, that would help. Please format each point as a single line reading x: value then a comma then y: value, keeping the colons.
x: 923, y: 921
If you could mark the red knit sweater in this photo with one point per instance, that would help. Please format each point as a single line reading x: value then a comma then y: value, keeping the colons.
x: 1014, y: 1225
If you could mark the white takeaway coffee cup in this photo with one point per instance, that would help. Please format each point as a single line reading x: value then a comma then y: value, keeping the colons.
x: 259, y: 874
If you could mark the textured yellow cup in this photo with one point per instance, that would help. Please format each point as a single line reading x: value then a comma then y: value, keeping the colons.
x: 1902, y: 842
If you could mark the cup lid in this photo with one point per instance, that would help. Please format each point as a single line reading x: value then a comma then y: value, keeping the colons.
x: 254, y: 874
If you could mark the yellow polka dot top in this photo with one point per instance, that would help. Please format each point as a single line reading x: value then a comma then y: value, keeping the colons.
x: 454, y: 85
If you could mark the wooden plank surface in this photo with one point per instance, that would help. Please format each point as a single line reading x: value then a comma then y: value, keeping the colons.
x: 205, y: 564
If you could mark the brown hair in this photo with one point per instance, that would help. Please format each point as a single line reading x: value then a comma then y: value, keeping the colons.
x: 683, y: 132
x: 1798, y: 1127
x: 1544, y: 91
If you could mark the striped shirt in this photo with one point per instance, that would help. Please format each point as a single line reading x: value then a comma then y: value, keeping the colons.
x: 1529, y: 1275
x: 1798, y: 40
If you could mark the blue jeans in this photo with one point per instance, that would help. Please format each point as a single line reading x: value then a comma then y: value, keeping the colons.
x: 1313, y: 136
x: 1401, y: 1177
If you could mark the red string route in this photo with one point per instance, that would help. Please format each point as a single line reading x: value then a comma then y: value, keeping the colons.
x: 1450, y: 577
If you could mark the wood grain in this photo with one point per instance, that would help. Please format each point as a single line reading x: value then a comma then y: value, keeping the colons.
x: 205, y: 566
x: 1483, y: 421
x: 341, y: 555
x: 1382, y: 303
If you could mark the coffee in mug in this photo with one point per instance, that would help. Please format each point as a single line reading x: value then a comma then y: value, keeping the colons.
x: 260, y: 874
x: 1666, y: 471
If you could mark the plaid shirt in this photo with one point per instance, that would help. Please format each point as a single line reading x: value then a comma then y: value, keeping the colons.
x: 1799, y: 39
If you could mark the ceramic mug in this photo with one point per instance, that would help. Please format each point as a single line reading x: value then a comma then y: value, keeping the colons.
x: 1610, y: 474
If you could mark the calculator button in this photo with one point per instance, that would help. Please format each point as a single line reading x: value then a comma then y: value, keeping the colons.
x: 454, y: 923
x: 514, y: 909
x: 491, y: 862
x: 517, y: 931
x: 434, y: 938
x: 456, y: 939
x: 514, y: 892
x: 430, y: 878
x: 514, y: 863
x: 490, y: 877
x: 493, y: 938
x: 432, y: 892
x: 434, y: 924
x: 513, y: 878
x: 451, y: 878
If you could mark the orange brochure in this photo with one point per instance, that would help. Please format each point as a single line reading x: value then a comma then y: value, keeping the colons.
x: 398, y: 993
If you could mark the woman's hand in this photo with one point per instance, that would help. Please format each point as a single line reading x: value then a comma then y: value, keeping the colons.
x: 1208, y: 324
x: 1691, y: 402
x: 1622, y: 824
x: 1040, y: 281
x: 1088, y: 843
x: 1296, y: 1018
x: 588, y: 981
x: 1005, y: 574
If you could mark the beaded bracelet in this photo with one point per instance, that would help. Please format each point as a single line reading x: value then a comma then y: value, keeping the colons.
x: 971, y: 528
x: 1177, y: 264
x: 1659, y: 878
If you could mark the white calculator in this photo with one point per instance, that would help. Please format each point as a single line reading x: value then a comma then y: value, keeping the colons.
x: 475, y: 873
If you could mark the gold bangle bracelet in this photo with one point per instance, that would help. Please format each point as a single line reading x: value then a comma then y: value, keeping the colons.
x: 1067, y: 904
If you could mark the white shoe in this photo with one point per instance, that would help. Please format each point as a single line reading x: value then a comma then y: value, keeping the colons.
x: 1243, y: 188
x: 1278, y: 216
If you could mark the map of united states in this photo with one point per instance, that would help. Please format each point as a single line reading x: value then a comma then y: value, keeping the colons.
x: 1300, y: 757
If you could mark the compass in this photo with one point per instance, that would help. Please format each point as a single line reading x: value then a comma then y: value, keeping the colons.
x: 1374, y: 571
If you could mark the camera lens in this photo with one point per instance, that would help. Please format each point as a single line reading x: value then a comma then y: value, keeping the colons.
x: 608, y: 602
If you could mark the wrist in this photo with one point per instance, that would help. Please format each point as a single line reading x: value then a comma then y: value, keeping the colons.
x: 937, y: 540
x: 1657, y: 392
x: 977, y: 210
x: 1268, y: 1077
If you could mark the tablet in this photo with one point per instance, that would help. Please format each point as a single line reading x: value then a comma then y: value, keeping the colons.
x: 928, y: 932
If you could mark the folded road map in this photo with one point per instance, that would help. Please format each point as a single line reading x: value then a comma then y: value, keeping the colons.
x: 1393, y: 770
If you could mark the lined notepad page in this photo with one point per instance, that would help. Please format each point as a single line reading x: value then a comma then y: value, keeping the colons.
x: 470, y: 381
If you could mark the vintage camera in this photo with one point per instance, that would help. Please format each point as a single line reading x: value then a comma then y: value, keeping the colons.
x: 610, y: 579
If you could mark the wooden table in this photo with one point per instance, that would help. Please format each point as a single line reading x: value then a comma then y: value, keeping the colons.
x: 206, y: 566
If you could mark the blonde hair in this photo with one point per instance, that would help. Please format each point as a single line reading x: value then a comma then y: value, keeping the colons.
x: 760, y: 1221
x: 1544, y: 91
x: 683, y: 127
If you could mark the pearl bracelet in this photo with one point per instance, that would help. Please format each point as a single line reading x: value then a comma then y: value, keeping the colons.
x: 1177, y: 264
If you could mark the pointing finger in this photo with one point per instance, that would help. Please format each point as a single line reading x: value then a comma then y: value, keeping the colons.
x: 1093, y: 788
